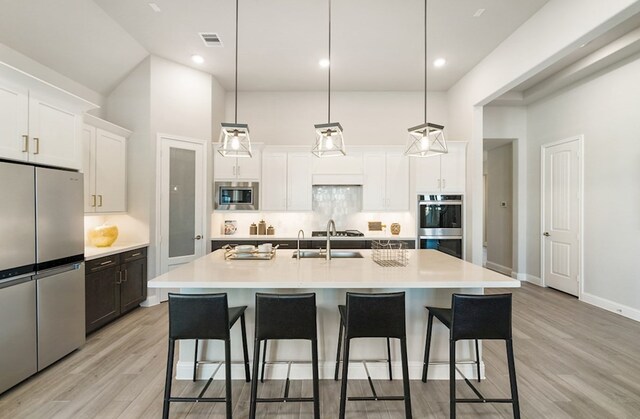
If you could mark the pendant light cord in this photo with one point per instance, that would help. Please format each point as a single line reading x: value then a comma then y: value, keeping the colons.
x: 425, y: 61
x: 330, y: 64
x: 236, y: 88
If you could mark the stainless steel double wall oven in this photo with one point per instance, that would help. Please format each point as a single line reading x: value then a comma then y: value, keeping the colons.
x: 440, y: 223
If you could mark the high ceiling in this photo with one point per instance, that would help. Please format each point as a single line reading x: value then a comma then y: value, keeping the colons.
x: 377, y: 44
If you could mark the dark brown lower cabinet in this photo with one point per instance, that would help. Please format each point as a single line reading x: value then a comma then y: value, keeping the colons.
x: 114, y: 285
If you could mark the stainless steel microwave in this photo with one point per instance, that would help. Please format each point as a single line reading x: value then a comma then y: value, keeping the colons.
x: 236, y: 196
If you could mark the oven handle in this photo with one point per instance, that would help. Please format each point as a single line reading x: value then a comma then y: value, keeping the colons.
x: 440, y: 203
x: 440, y: 237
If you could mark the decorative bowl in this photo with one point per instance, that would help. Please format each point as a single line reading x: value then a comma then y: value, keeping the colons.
x: 103, y: 236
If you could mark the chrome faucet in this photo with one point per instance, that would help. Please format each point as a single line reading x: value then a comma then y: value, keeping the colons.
x: 330, y: 224
x: 298, y: 253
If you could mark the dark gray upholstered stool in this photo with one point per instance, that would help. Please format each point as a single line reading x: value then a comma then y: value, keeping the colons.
x: 473, y: 317
x: 375, y: 316
x: 203, y: 316
x: 290, y: 317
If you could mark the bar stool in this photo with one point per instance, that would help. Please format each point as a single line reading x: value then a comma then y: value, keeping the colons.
x: 475, y: 317
x: 375, y: 316
x: 286, y: 316
x: 203, y: 316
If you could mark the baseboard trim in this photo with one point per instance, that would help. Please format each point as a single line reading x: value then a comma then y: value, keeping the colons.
x: 152, y: 300
x: 378, y: 371
x: 611, y: 306
x: 530, y: 278
x: 498, y: 268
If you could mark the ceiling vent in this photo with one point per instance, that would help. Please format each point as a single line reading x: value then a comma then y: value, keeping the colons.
x: 211, y: 39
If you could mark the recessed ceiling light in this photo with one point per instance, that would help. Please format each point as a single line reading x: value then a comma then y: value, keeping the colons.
x: 155, y: 7
x: 439, y: 62
x: 479, y: 12
x: 324, y: 63
x: 197, y: 59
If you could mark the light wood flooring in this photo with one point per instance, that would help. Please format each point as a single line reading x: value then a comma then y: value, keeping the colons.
x: 573, y: 361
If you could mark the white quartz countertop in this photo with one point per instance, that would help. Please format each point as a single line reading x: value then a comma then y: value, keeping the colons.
x: 92, y: 252
x: 426, y: 269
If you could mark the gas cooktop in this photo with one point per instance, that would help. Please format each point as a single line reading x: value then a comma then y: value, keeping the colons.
x: 342, y: 233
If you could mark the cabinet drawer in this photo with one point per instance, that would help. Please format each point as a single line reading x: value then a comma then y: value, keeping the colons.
x: 133, y: 255
x: 102, y: 263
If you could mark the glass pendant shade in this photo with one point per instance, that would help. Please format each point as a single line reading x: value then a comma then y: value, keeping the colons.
x: 234, y: 140
x: 426, y: 140
x: 329, y: 140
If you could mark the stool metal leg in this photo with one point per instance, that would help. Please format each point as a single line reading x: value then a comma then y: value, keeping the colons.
x: 227, y: 377
x: 427, y: 348
x: 389, y: 359
x: 169, y: 377
x: 512, y: 379
x: 316, y: 382
x: 245, y: 349
x: 195, y: 362
x: 478, y: 360
x: 264, y: 360
x: 254, y: 383
x: 345, y: 374
x: 338, y: 351
x: 452, y: 379
x: 405, y: 378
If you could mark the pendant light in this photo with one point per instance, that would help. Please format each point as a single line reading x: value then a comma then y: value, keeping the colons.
x: 426, y: 139
x: 329, y: 139
x: 234, y: 138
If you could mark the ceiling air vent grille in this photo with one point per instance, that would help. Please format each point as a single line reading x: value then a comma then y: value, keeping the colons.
x: 211, y: 39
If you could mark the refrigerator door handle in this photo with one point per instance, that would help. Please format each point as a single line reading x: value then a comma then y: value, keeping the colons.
x: 57, y: 270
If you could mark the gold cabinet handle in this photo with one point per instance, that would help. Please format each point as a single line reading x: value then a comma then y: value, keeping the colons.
x: 100, y: 199
x: 93, y: 201
x: 37, y: 141
x: 25, y: 143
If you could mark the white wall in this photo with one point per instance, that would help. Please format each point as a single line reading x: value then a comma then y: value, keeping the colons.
x: 376, y: 118
x: 604, y: 109
x: 510, y: 123
x: 499, y: 171
x: 542, y: 40
x: 159, y: 96
x: 30, y: 66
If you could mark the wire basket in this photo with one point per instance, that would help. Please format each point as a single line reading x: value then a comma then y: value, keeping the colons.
x: 389, y: 253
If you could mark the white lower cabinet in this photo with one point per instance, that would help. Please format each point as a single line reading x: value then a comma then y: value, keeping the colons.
x: 386, y: 182
x: 286, y: 181
x: 104, y: 163
x: 445, y: 173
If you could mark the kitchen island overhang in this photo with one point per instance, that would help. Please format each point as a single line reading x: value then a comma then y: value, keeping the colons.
x: 429, y: 278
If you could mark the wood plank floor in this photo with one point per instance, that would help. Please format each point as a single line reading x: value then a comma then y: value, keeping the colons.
x: 573, y: 361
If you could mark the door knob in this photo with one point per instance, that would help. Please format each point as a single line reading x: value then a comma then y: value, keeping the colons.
x: 198, y: 237
x: 546, y: 234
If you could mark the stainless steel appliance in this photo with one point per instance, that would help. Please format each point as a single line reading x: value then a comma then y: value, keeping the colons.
x: 41, y: 268
x: 440, y: 223
x: 236, y: 196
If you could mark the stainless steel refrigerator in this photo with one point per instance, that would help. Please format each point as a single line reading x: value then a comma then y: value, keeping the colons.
x: 41, y: 268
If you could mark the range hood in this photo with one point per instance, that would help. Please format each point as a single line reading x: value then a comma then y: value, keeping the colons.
x: 337, y: 180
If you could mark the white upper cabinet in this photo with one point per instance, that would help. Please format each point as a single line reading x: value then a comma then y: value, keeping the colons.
x: 54, y: 135
x: 105, y: 166
x: 442, y: 174
x: 14, y: 128
x: 286, y: 181
x: 242, y: 168
x: 386, y: 182
x: 39, y: 123
x: 299, y: 182
x: 273, y: 187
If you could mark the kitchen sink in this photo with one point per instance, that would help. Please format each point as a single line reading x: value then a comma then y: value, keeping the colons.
x: 335, y: 254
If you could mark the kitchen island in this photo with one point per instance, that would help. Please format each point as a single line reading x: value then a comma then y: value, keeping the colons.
x: 429, y: 278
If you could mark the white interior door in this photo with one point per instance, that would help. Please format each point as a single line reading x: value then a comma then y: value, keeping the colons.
x: 561, y: 209
x: 182, y: 202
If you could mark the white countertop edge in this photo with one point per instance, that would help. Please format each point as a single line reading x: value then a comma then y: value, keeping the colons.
x: 332, y: 285
x: 92, y: 252
x: 232, y: 237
